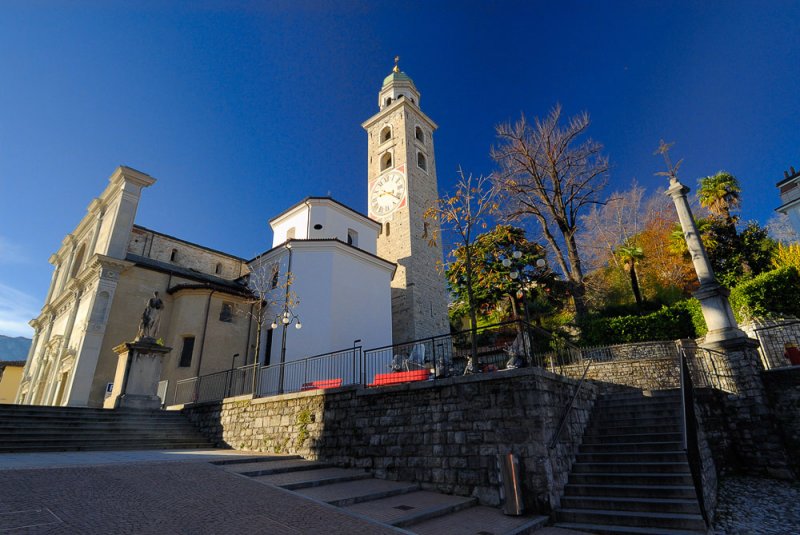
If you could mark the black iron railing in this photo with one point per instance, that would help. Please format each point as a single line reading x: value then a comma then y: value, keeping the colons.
x: 779, y: 343
x: 215, y: 386
x: 328, y: 370
x: 690, y: 440
x: 514, y: 344
x: 568, y: 410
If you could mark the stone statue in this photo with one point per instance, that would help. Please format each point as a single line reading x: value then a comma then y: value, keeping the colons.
x: 151, y: 318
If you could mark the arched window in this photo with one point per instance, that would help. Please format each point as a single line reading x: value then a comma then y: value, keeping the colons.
x: 388, y: 101
x: 386, y: 161
x: 419, y: 134
x: 352, y: 237
x: 386, y: 134
x: 76, y: 263
x: 218, y: 268
x: 422, y: 163
x: 173, y: 256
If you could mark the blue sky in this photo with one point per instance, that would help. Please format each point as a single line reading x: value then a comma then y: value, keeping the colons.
x: 240, y: 109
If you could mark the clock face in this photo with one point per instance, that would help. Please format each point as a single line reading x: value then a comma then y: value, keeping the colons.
x: 387, y: 194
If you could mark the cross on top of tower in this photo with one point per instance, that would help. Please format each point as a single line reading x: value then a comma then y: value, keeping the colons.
x: 396, y: 61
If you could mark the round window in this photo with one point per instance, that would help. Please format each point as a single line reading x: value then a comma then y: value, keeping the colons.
x: 317, y: 227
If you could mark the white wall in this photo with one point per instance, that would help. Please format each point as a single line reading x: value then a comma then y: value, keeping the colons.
x: 334, y: 220
x: 344, y: 295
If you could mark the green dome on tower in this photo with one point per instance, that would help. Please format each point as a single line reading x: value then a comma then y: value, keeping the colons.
x: 397, y: 75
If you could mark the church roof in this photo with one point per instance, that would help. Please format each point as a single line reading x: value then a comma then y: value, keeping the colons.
x: 397, y: 76
x: 186, y: 273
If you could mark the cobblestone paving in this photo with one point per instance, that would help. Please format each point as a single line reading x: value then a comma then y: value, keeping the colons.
x: 750, y: 505
x: 160, y: 498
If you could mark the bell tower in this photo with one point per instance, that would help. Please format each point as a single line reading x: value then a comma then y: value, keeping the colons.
x: 401, y: 186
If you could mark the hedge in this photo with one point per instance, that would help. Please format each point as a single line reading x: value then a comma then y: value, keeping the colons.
x: 775, y: 292
x: 669, y: 323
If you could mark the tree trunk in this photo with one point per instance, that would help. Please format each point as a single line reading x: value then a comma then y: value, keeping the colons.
x: 576, y: 279
x: 635, y: 286
x: 473, y: 315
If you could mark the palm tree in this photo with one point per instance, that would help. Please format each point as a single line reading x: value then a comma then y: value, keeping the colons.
x: 720, y: 194
x: 630, y: 253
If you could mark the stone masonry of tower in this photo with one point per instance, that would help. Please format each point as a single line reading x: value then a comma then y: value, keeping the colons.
x: 419, y: 303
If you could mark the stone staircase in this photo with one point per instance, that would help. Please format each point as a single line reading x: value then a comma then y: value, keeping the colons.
x: 395, y: 503
x: 26, y: 428
x: 631, y: 474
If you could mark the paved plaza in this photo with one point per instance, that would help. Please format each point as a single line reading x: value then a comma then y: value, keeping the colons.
x: 154, y: 492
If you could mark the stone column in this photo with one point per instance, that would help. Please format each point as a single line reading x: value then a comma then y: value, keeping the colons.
x: 40, y: 362
x: 137, y: 376
x: 713, y: 297
x: 64, y: 346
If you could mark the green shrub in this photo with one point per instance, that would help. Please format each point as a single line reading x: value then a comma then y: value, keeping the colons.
x: 692, y: 307
x: 669, y: 323
x: 775, y: 292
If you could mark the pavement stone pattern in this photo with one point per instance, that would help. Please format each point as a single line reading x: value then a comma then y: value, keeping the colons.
x: 474, y: 521
x: 757, y: 506
x: 16, y: 461
x: 160, y: 498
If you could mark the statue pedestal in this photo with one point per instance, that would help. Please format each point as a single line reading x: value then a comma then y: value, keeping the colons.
x: 138, y: 374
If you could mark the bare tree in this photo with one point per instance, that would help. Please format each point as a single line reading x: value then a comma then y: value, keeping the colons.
x: 781, y: 230
x: 607, y: 226
x: 546, y: 172
x: 268, y: 290
x: 464, y: 214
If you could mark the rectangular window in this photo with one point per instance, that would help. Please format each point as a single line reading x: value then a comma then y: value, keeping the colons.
x: 226, y: 312
x: 186, y: 352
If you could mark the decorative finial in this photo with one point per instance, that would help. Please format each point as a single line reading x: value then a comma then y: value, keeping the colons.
x: 396, y: 61
x: 672, y: 170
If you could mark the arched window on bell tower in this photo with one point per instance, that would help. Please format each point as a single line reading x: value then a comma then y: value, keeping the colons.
x: 386, y: 161
x: 422, y: 162
x: 386, y: 134
x: 419, y: 134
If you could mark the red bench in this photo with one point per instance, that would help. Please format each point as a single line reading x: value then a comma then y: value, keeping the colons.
x: 383, y: 379
x: 319, y: 385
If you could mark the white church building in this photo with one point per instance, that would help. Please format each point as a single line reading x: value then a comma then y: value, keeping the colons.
x: 334, y: 277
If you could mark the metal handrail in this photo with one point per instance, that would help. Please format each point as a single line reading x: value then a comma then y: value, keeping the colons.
x: 563, y: 422
x: 689, y: 424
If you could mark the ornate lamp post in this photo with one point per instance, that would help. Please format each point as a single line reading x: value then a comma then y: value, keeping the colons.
x: 286, y: 318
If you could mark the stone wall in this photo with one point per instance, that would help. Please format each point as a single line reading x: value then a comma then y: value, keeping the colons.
x: 649, y: 366
x: 783, y: 389
x: 445, y: 435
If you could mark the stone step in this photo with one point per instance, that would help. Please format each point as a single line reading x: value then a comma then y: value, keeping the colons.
x: 73, y: 429
x: 642, y: 421
x: 643, y: 394
x: 674, y: 436
x: 622, y: 530
x: 91, y: 438
x: 301, y: 479
x: 352, y: 492
x: 122, y: 445
x: 632, y: 456
x: 259, y: 458
x: 637, y: 412
x: 412, y: 508
x: 633, y: 519
x: 267, y: 468
x: 686, y: 492
x: 479, y: 520
x: 653, y: 505
x: 609, y: 447
x: 635, y: 478
x: 638, y: 404
x: 633, y: 429
x: 88, y: 426
x: 631, y: 467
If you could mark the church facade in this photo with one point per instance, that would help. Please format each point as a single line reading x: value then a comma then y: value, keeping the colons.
x: 345, y: 277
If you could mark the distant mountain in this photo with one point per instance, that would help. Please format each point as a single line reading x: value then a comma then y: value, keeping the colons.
x: 14, y: 348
